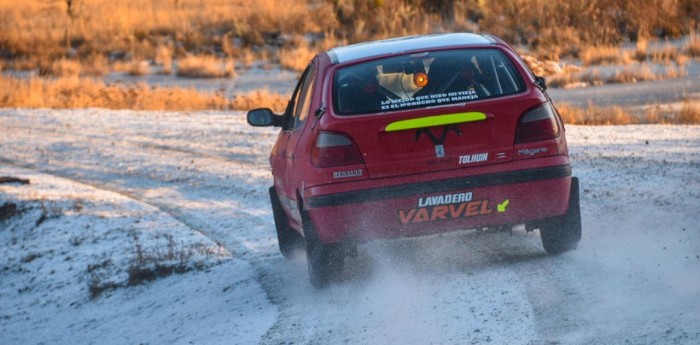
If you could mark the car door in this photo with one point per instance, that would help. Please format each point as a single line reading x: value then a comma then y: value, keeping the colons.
x: 297, y: 113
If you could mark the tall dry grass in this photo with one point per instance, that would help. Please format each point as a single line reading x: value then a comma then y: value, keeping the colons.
x: 44, y: 28
x: 573, y: 79
x: 633, y: 73
x: 689, y: 114
x: 610, y: 55
x: 205, y: 67
x: 595, y: 115
x: 693, y: 45
x: 164, y: 58
x: 135, y: 29
x: 260, y: 99
x: 74, y: 92
x: 139, y: 68
x: 64, y: 68
x: 296, y: 58
x: 592, y: 115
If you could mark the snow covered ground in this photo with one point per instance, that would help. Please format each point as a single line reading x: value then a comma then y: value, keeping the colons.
x: 119, y: 197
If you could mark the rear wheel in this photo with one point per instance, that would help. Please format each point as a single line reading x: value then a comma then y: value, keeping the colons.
x: 562, y: 234
x: 324, y: 261
x: 288, y: 239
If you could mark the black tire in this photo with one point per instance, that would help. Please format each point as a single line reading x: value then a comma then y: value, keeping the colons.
x: 324, y: 261
x: 562, y: 234
x: 289, y: 240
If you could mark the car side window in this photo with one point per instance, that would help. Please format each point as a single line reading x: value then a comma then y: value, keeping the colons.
x: 303, y: 101
x: 294, y: 101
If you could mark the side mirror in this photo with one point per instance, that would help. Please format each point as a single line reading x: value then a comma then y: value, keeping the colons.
x: 541, y: 83
x: 261, y: 117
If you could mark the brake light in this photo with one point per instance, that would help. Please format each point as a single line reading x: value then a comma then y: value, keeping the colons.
x: 538, y: 124
x: 334, y: 149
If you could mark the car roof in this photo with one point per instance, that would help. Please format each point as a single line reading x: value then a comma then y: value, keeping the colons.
x: 401, y: 44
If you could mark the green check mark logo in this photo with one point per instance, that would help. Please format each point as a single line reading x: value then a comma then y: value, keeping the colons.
x: 502, y: 206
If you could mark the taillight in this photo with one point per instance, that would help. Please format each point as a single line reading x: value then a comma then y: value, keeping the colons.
x: 334, y: 149
x: 537, y: 124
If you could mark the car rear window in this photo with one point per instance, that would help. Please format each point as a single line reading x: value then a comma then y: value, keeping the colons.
x: 423, y: 80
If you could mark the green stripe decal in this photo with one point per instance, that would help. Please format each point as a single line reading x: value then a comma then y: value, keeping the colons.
x: 438, y: 120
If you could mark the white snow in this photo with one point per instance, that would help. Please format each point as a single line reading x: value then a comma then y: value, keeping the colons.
x: 192, y: 188
x: 89, y: 238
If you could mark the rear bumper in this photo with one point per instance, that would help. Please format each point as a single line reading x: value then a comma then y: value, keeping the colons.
x: 412, y: 209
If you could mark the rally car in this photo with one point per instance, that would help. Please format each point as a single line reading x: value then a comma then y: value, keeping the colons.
x: 413, y: 136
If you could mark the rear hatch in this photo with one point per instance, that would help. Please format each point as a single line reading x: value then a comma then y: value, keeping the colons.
x: 431, y: 111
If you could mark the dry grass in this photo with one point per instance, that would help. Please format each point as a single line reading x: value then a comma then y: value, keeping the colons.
x: 668, y: 54
x: 693, y: 45
x: 260, y: 99
x: 139, y: 68
x: 675, y: 72
x: 548, y: 67
x: 205, y: 67
x: 164, y: 58
x: 36, y: 33
x: 665, y: 55
x: 604, y: 56
x: 94, y: 65
x: 633, y: 74
x: 641, y: 52
x: 628, y: 74
x: 595, y: 115
x: 64, y: 68
x: 88, y: 93
x: 76, y: 92
x: 568, y: 80
x: 247, y: 58
x: 44, y: 29
x: 296, y: 58
x: 689, y: 114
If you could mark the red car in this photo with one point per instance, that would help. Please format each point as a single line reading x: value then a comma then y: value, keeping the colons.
x: 413, y: 136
